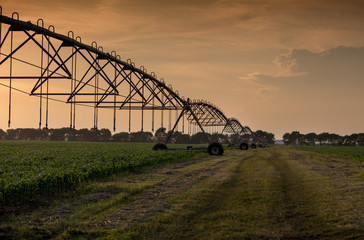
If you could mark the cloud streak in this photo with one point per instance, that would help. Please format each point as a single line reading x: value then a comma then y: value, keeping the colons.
x: 326, y: 86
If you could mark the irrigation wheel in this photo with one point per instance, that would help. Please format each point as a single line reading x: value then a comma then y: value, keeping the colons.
x: 244, y: 146
x: 160, y: 146
x: 215, y: 149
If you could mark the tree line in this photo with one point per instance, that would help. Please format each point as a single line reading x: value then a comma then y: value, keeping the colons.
x: 105, y: 135
x: 325, y: 138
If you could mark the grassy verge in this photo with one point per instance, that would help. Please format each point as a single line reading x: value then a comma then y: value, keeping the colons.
x: 350, y: 158
x: 341, y: 151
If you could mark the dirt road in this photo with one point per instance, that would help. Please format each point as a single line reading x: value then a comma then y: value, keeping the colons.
x: 272, y: 193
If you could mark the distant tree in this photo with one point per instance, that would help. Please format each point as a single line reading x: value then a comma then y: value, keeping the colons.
x: 26, y: 134
x: 85, y: 135
x: 221, y: 138
x: 57, y: 134
x: 70, y: 134
x: 141, y: 136
x: 105, y: 135
x: 160, y: 135
x: 310, y: 139
x: 62, y: 134
x: 323, y: 138
x: 92, y: 135
x: 295, y: 138
x: 270, y: 138
x: 264, y: 137
x: 12, y: 134
x: 121, y: 137
x: 2, y: 134
x: 334, y: 139
x: 199, y: 138
x: 175, y: 135
x: 183, y: 139
x: 353, y: 139
x: 286, y: 138
x: 360, y: 139
x: 178, y: 137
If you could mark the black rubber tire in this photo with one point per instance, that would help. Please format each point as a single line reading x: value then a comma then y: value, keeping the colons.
x: 160, y: 146
x: 244, y: 146
x: 253, y: 146
x: 215, y: 149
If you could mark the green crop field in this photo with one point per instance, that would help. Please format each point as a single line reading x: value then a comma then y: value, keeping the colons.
x: 29, y: 169
x: 351, y: 152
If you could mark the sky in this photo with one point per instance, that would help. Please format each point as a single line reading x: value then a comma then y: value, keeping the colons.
x: 278, y: 66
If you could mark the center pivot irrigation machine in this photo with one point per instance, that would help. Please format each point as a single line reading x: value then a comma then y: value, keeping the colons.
x: 62, y: 68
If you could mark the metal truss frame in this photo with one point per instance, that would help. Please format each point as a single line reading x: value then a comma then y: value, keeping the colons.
x: 95, y: 78
x: 60, y: 57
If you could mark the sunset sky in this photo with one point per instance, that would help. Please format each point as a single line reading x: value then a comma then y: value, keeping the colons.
x: 279, y: 65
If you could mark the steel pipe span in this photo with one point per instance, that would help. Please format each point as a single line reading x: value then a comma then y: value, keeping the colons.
x: 123, y: 69
x: 18, y: 25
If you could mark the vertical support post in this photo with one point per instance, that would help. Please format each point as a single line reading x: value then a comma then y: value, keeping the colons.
x: 10, y: 77
x: 71, y: 89
x: 74, y: 89
x: 96, y: 109
x: 130, y: 107
x: 162, y: 111
x: 153, y: 115
x: 142, y: 108
x: 114, y: 122
x: 1, y: 13
x: 41, y: 87
x: 175, y: 125
x: 95, y: 97
x: 198, y: 123
x: 47, y: 97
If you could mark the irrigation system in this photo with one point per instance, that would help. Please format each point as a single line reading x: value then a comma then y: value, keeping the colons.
x: 62, y: 68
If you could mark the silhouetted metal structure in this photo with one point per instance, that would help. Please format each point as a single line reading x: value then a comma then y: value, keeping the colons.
x: 84, y: 75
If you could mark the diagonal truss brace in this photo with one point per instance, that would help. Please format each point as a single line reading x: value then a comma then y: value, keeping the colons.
x: 187, y: 108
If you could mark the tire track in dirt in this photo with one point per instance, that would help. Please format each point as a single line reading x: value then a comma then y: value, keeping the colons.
x: 295, y: 197
x: 155, y: 199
